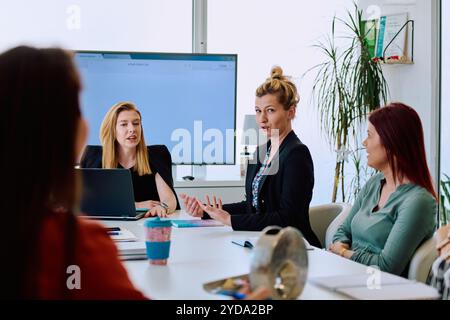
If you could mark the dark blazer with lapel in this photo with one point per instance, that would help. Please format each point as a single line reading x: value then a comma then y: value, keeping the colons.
x: 284, y: 195
x: 159, y: 158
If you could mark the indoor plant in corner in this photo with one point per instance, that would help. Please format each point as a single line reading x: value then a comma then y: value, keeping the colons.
x: 348, y: 86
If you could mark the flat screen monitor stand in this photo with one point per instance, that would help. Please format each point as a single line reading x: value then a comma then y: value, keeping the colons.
x: 198, y: 172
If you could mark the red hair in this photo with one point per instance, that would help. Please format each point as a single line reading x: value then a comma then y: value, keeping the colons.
x: 401, y: 134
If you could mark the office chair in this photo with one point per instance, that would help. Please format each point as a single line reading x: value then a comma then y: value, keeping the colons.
x: 421, y: 262
x: 321, y: 217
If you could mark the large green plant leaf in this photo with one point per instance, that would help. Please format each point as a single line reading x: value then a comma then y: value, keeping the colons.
x: 347, y: 87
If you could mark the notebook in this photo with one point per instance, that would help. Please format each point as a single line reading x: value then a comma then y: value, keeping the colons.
x: 122, y: 235
x: 134, y: 250
x: 410, y: 291
x: 386, y: 287
x: 357, y: 280
x: 193, y: 223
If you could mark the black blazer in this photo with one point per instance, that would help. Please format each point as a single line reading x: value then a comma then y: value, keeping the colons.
x: 160, y: 162
x: 284, y: 195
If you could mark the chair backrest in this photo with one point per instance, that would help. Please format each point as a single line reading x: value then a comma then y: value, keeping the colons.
x: 421, y: 262
x: 321, y: 217
x: 336, y: 223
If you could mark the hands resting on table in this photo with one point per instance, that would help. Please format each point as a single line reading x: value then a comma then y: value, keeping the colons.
x: 155, y: 208
x: 341, y: 249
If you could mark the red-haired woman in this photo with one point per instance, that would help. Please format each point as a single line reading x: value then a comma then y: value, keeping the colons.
x: 396, y: 209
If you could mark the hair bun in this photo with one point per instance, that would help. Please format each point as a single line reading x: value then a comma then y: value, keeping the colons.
x: 277, y: 73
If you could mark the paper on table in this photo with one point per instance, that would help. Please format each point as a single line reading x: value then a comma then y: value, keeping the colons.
x: 122, y: 235
x: 357, y: 280
x: 193, y: 223
x: 132, y: 250
x: 368, y: 287
x: 409, y: 291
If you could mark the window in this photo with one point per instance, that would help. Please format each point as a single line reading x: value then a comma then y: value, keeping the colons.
x: 135, y: 25
x: 265, y: 33
x: 445, y: 106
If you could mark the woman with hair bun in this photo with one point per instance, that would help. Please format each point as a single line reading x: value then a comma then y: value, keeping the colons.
x: 279, y: 184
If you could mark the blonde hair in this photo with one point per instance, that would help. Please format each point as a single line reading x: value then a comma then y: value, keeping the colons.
x: 281, y: 86
x: 109, y: 142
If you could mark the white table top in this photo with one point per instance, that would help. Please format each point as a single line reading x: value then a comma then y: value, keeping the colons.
x: 201, y: 255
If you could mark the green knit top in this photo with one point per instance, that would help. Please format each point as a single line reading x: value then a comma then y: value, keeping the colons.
x: 387, y: 238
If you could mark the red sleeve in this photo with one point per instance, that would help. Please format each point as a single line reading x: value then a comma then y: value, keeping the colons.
x: 102, y: 274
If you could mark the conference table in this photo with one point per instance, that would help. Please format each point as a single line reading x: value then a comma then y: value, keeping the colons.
x: 203, y: 254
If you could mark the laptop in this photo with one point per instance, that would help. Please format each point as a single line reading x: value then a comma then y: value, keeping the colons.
x: 108, y: 194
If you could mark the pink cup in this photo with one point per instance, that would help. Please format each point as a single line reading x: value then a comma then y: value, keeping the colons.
x: 157, y: 240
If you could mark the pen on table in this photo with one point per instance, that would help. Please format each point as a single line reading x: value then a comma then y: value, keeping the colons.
x: 113, y: 233
x: 239, y: 296
x: 113, y: 229
x: 231, y: 293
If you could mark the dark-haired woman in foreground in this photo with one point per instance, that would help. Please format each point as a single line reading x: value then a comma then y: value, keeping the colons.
x: 51, y: 254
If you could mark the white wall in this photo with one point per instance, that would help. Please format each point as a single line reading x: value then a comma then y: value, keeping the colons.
x: 133, y: 25
x: 416, y: 84
x: 265, y: 33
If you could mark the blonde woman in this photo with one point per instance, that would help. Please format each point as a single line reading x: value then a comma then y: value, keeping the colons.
x: 273, y: 197
x: 123, y: 146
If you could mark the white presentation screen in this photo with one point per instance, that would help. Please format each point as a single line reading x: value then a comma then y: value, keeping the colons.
x: 187, y: 101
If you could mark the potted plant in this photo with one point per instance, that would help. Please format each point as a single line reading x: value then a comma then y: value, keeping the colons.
x: 349, y: 85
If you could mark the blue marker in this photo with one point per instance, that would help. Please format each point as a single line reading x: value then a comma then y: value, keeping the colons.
x: 231, y: 293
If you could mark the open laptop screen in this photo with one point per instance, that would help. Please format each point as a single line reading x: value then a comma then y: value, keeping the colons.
x: 108, y: 194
